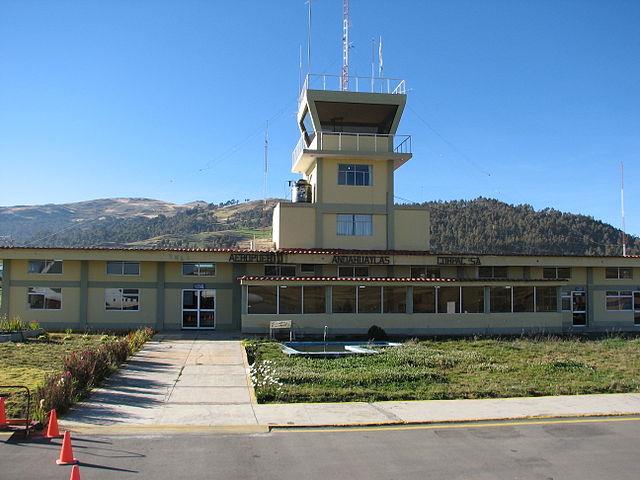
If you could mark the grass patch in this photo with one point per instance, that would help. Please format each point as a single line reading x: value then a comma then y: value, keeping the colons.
x: 450, y: 369
x: 30, y: 362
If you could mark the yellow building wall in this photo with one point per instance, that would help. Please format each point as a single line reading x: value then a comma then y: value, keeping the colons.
x: 70, y: 270
x: 98, y: 273
x: 375, y: 194
x: 377, y: 241
x: 411, y: 229
x: 173, y: 273
x: 294, y: 225
x: 99, y: 316
x: 68, y: 314
x: 448, y: 324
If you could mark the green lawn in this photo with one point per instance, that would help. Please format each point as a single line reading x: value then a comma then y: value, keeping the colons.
x: 28, y: 363
x: 448, y: 369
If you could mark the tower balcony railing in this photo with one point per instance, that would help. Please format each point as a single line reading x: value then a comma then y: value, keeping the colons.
x: 322, y: 81
x: 354, y: 143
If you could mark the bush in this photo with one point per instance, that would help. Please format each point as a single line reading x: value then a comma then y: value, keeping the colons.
x: 377, y: 333
x: 12, y: 325
x: 85, y: 369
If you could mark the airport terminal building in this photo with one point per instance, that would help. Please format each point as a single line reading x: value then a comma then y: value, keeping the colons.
x: 344, y: 256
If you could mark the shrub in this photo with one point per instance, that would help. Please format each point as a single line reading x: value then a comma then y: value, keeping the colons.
x: 377, y: 333
x: 85, y: 369
x: 12, y: 325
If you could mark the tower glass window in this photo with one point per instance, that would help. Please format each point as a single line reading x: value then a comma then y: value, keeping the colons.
x: 354, y: 174
x: 355, y: 225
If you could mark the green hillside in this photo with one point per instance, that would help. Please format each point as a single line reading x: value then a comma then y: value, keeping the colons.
x: 482, y: 225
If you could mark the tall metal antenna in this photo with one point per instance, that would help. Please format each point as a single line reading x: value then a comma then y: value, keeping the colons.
x: 624, y: 237
x: 300, y: 75
x: 373, y: 61
x: 344, y: 80
x: 266, y: 160
x: 308, y: 2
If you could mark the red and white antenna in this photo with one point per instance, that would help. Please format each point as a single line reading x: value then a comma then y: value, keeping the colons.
x: 624, y: 237
x: 344, y: 80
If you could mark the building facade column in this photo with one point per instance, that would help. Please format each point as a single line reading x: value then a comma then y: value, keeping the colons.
x: 6, y: 288
x: 84, y: 294
x: 160, y: 296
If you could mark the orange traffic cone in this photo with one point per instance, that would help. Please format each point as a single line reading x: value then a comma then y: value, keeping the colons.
x: 66, y: 453
x: 75, y: 473
x: 3, y: 414
x: 52, y: 428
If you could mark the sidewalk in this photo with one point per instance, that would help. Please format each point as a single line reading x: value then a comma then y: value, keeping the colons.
x: 436, y: 411
x: 190, y: 383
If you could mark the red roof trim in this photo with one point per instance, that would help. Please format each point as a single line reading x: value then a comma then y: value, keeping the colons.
x: 263, y: 278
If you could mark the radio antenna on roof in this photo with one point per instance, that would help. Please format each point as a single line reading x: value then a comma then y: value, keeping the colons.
x: 266, y: 160
x: 624, y: 237
x: 344, y: 80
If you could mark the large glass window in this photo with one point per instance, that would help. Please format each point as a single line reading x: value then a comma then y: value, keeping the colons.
x: 123, y: 299
x: 353, y: 272
x: 369, y: 299
x: 523, y: 298
x: 44, y: 298
x: 314, y: 299
x: 199, y: 269
x: 619, y: 300
x: 619, y: 273
x: 280, y: 270
x: 547, y: 299
x: 566, y: 301
x: 473, y: 299
x: 355, y: 225
x: 123, y: 268
x: 343, y: 299
x: 262, y: 299
x: 290, y: 299
x: 556, y: 273
x: 395, y: 299
x: 354, y: 174
x: 52, y: 267
x: 500, y: 299
x: 424, y: 300
x: 449, y: 300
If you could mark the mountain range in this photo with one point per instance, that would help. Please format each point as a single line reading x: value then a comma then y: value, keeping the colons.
x: 482, y: 225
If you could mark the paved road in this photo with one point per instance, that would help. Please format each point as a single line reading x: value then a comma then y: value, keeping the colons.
x: 551, y: 449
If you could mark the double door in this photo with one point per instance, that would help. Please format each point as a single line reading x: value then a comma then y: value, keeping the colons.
x: 198, y: 309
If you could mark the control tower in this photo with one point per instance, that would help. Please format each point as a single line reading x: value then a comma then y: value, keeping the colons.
x: 347, y: 154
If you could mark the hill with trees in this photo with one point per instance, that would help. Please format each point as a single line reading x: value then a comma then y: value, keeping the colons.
x: 481, y: 225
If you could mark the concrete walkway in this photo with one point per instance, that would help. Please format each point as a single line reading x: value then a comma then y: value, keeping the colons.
x: 180, y: 380
x: 200, y: 382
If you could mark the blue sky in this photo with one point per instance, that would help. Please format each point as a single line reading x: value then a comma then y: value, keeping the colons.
x: 526, y: 101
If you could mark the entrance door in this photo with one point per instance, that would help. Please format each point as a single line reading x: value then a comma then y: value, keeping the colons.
x: 198, y: 309
x: 579, y: 308
x: 636, y: 308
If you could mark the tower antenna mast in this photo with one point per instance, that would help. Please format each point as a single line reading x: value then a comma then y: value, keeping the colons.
x: 344, y: 80
x: 266, y: 160
x: 624, y: 237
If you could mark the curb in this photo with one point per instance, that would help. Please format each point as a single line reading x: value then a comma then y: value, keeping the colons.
x: 165, y: 429
x: 463, y: 423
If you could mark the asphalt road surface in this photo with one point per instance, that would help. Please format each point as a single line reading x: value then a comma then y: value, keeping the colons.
x: 606, y: 448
